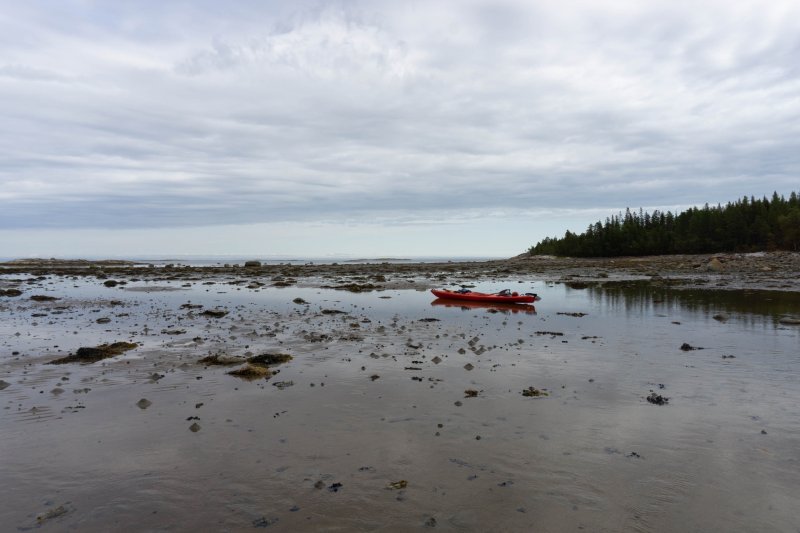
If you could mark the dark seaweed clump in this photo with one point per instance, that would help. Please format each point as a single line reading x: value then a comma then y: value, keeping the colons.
x: 95, y: 353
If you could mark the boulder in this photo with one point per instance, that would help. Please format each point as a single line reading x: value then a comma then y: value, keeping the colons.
x: 715, y: 265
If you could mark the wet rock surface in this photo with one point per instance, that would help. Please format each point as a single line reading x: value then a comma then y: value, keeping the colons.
x: 10, y: 293
x: 657, y: 399
x: 95, y: 353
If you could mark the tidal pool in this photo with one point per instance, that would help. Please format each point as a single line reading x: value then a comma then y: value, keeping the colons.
x: 397, y: 387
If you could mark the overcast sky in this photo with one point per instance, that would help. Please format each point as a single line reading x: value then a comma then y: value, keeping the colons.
x: 381, y: 128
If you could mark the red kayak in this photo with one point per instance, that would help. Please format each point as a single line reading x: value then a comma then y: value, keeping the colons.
x: 506, y: 296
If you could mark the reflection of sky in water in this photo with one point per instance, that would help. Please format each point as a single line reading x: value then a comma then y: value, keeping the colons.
x: 563, y: 452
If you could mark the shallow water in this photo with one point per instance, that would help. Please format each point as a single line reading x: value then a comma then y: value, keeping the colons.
x: 722, y: 455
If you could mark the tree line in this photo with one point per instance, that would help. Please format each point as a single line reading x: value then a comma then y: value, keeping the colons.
x: 745, y: 225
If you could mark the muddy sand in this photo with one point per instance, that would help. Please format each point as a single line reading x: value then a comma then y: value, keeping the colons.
x: 639, y: 394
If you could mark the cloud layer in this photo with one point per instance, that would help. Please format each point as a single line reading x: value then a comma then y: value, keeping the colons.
x: 152, y: 114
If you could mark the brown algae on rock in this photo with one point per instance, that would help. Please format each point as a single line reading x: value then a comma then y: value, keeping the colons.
x: 95, y: 353
x: 251, y: 372
x: 534, y: 392
x: 52, y: 513
x: 221, y: 360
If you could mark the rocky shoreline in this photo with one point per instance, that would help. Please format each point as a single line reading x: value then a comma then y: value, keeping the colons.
x: 779, y: 271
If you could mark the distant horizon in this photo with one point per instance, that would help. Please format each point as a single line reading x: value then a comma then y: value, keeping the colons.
x: 251, y: 257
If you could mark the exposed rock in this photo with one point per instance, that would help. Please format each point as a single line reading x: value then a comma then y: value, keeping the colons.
x: 103, y: 320
x: 4, y: 384
x: 10, y: 292
x: 52, y: 513
x: 43, y: 298
x: 657, y: 399
x: 195, y: 427
x: 251, y: 372
x: 534, y: 392
x: 715, y: 265
x: 354, y: 287
x: 299, y: 301
x: 214, y: 313
x: 221, y: 360
x: 110, y: 283
x: 95, y: 353
x: 252, y: 264
x: 144, y: 403
x: 789, y: 320
x: 270, y: 359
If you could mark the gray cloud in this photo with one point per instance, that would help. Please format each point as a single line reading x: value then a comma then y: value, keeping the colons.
x: 141, y: 115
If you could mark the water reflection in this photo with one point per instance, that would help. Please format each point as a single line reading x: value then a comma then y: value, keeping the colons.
x: 376, y: 393
x: 489, y: 307
x: 644, y: 298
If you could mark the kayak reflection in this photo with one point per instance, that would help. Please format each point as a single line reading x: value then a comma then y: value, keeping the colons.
x: 491, y: 307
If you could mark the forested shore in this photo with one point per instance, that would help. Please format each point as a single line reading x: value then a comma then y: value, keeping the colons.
x: 746, y: 225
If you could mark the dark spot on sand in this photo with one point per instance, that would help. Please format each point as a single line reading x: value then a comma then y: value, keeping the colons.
x: 534, y: 392
x: 214, y: 313
x: 264, y: 521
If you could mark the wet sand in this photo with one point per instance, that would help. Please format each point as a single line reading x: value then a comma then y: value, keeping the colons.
x: 397, y: 412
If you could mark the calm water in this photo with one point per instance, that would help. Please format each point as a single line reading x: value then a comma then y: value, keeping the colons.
x: 722, y: 455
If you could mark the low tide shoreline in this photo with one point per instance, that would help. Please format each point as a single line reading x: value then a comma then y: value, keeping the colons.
x: 340, y: 397
x: 755, y: 271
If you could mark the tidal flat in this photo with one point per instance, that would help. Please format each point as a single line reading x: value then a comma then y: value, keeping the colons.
x: 639, y: 394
